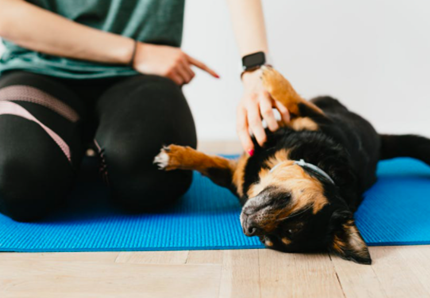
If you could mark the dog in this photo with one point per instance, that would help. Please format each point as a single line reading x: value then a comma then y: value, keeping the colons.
x: 299, y: 191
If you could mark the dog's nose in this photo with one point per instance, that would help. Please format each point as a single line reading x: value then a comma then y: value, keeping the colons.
x: 250, y: 228
x: 250, y: 231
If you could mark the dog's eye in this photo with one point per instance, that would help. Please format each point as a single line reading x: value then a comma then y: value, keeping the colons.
x: 290, y: 232
x: 295, y: 229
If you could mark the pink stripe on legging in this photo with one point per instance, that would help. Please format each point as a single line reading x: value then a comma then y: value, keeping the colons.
x: 10, y: 108
x: 31, y: 94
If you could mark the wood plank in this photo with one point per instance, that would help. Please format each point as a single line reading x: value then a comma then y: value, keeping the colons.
x: 240, y: 274
x: 358, y: 280
x: 297, y: 275
x: 394, y: 274
x: 83, y: 279
x: 153, y: 257
x: 108, y: 257
x: 205, y: 257
x: 418, y: 260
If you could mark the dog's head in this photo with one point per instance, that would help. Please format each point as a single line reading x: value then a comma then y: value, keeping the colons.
x: 294, y: 210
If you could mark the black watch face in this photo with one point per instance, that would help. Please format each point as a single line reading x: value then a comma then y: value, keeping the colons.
x: 254, y: 60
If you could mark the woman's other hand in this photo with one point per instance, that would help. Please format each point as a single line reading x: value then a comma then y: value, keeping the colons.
x: 255, y: 105
x: 166, y: 61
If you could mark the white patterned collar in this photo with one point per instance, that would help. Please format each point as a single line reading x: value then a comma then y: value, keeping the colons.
x: 302, y: 163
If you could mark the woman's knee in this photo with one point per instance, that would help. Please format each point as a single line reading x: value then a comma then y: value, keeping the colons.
x: 34, y: 177
x: 28, y: 192
x: 136, y: 182
x: 28, y: 196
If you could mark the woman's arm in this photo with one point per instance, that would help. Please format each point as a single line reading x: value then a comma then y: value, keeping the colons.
x: 256, y: 103
x: 40, y: 30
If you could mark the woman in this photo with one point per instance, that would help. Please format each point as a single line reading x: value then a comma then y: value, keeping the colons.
x: 108, y: 71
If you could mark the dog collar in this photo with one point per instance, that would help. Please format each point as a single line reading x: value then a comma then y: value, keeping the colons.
x: 303, y: 164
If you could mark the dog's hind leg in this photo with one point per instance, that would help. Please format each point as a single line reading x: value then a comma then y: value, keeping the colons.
x: 281, y: 90
x: 220, y: 170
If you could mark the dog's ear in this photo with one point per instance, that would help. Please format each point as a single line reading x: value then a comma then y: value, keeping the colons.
x: 347, y: 241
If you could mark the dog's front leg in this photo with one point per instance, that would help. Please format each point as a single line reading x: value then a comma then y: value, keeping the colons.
x: 220, y: 170
x: 281, y: 90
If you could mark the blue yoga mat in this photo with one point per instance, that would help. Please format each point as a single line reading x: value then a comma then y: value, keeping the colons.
x: 395, y: 211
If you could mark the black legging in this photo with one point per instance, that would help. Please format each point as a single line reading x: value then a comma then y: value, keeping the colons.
x: 45, y: 123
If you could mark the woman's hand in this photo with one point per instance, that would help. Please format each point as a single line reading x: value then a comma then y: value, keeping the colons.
x: 168, y: 62
x: 255, y: 105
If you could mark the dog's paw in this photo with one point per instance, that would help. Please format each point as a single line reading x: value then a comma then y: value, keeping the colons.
x: 273, y: 81
x: 170, y: 157
x: 162, y: 159
x: 277, y: 85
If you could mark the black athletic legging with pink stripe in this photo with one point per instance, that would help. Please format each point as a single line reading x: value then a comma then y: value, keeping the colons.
x: 46, y: 122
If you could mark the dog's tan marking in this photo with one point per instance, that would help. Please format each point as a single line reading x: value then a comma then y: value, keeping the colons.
x: 268, y: 242
x: 239, y: 174
x: 338, y: 244
x: 349, y: 239
x: 279, y: 156
x: 281, y: 90
x: 286, y: 241
x: 303, y: 123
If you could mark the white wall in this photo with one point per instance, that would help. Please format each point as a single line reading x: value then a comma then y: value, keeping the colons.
x: 373, y: 55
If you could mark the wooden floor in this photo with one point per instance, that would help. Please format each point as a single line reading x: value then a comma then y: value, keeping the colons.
x: 396, y: 272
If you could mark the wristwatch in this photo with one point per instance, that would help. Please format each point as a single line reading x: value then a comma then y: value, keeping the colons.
x: 253, y: 61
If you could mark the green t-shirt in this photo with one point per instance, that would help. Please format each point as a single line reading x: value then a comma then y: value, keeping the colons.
x: 150, y: 21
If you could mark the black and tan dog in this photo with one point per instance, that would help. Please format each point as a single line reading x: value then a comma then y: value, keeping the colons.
x: 300, y: 190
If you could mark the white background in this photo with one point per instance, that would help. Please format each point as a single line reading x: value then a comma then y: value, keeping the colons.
x: 373, y: 55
